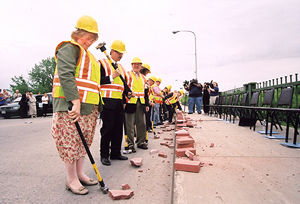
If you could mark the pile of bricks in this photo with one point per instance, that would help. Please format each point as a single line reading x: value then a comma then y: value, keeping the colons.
x: 185, y: 151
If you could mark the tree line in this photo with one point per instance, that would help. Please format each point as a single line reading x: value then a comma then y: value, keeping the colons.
x: 40, y: 78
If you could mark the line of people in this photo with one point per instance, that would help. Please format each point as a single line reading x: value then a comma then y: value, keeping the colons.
x: 88, y: 86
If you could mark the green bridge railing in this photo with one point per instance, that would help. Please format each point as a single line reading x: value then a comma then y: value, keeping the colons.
x: 277, y: 84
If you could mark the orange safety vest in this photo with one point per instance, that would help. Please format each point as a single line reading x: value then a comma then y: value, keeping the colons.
x: 116, y: 88
x: 137, y: 86
x: 172, y: 100
x: 155, y: 99
x: 87, y: 77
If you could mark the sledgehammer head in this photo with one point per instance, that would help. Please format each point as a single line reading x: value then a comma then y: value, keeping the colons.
x: 104, y: 190
x: 101, y: 46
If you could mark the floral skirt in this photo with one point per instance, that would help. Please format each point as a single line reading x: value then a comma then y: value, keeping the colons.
x: 67, y: 139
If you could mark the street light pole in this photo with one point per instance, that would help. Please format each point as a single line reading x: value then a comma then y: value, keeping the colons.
x: 174, y: 32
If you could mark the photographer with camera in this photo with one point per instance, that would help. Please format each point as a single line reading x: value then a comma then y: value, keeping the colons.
x: 195, y: 95
x: 206, y: 97
x: 213, y: 92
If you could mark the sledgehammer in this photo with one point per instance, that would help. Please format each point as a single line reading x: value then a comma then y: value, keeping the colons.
x: 103, y: 188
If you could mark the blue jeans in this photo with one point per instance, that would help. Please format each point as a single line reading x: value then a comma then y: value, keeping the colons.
x: 195, y: 100
x: 156, y: 119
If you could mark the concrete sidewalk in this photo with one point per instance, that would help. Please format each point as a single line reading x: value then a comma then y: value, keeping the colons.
x: 242, y: 167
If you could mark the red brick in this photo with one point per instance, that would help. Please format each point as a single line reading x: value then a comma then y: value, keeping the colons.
x: 164, y: 144
x: 189, y: 154
x: 121, y: 194
x: 180, y: 121
x: 187, y: 165
x: 189, y: 124
x: 185, y: 145
x: 125, y: 186
x: 168, y: 138
x: 140, y: 170
x: 136, y: 161
x: 185, y: 140
x: 181, y: 125
x: 171, y: 146
x: 153, y: 151
x: 168, y: 129
x: 181, y: 152
x: 211, y: 145
x: 162, y: 154
x: 182, y: 133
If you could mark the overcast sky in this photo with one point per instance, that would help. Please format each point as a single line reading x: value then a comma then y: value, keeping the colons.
x: 238, y: 41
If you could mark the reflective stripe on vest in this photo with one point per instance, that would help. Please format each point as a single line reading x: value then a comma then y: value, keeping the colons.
x: 114, y: 90
x: 137, y: 86
x: 173, y: 99
x: 87, y: 77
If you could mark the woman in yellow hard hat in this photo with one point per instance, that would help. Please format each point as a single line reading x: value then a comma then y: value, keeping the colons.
x: 145, y: 69
x: 172, y: 102
x: 76, y: 82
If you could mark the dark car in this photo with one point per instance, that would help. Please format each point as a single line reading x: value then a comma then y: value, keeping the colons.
x: 39, y: 105
x: 11, y: 109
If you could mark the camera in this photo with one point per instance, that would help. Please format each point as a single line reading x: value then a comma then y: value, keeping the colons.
x: 209, y: 84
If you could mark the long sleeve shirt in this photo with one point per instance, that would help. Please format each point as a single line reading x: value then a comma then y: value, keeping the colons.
x: 67, y: 57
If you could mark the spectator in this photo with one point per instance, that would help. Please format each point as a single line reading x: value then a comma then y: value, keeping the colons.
x: 24, y: 106
x: 6, y: 95
x: 206, y: 98
x: 45, y: 101
x: 32, y: 105
x: 195, y: 96
x: 16, y: 94
x: 2, y: 99
x: 214, y: 92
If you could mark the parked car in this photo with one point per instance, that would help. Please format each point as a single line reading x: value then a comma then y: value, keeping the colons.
x: 39, y: 105
x: 11, y: 109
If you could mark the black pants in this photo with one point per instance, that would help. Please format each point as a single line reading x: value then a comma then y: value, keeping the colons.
x: 111, y: 132
x: 148, y: 119
x: 171, y: 110
x: 45, y: 108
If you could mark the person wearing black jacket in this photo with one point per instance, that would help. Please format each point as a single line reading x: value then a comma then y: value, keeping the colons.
x: 112, y: 115
x: 172, y: 101
x: 195, y: 96
x: 24, y: 106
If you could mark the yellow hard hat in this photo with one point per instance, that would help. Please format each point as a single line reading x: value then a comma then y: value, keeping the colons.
x: 147, y: 66
x: 169, y: 87
x: 153, y: 78
x: 136, y: 60
x: 118, y: 46
x: 87, y: 23
x: 158, y: 79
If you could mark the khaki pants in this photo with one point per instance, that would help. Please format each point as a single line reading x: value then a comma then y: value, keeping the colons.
x: 136, y: 119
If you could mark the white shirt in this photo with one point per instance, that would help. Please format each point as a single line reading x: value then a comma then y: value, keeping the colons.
x: 45, y: 100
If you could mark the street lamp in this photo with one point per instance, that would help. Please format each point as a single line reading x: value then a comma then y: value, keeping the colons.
x: 174, y: 32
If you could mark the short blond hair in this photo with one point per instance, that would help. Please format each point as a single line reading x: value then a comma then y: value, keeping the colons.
x: 76, y: 34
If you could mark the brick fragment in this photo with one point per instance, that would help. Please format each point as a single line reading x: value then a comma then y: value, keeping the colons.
x: 171, y: 146
x: 168, y: 129
x: 164, y: 144
x: 187, y: 165
x: 211, y: 145
x: 181, y: 121
x: 153, y: 151
x: 121, y: 194
x: 181, y: 125
x: 156, y: 136
x: 189, y: 154
x: 181, y: 152
x: 140, y: 170
x: 185, y: 145
x: 189, y: 124
x: 162, y: 154
x: 125, y: 186
x: 182, y: 133
x: 185, y: 140
x: 168, y: 138
x: 159, y: 132
x: 136, y: 161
